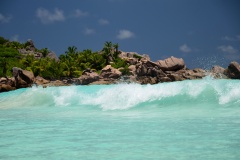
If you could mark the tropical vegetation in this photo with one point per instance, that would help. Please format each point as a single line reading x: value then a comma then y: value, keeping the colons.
x: 70, y: 64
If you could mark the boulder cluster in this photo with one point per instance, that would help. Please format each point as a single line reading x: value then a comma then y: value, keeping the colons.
x: 31, y: 50
x: 141, y: 70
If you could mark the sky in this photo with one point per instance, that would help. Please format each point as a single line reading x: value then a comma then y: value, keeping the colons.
x: 202, y: 32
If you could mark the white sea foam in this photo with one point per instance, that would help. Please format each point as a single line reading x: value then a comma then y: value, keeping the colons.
x: 126, y: 96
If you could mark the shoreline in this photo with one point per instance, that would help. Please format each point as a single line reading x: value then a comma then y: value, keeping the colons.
x: 108, y: 66
x: 25, y: 79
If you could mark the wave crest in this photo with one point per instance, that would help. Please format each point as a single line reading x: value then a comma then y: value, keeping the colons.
x: 125, y: 96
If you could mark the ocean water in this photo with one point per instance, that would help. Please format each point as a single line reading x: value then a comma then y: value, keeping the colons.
x: 197, y: 119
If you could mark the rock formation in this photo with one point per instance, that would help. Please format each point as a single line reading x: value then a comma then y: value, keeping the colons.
x: 171, y: 64
x: 31, y: 50
x: 141, y: 70
x: 7, y: 84
x: 233, y: 70
x: 110, y: 72
x: 87, y: 77
x: 41, y: 81
x: 23, y: 78
x: 218, y: 72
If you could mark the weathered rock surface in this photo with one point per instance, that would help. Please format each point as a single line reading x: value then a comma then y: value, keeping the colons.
x: 125, y: 55
x: 147, y: 80
x: 7, y: 84
x: 41, y: 81
x: 6, y: 87
x: 168, y: 70
x: 23, y: 78
x: 233, y: 70
x: 110, y: 72
x: 55, y: 84
x: 53, y: 55
x: 31, y: 50
x: 171, y: 64
x: 30, y: 45
x: 141, y: 69
x: 218, y: 72
x: 87, y: 77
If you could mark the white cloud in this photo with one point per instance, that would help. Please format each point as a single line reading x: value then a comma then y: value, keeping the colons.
x: 47, y: 17
x: 4, y: 19
x: 79, y: 13
x: 184, y: 48
x: 227, y: 38
x: 238, y: 37
x: 228, y: 49
x: 125, y: 34
x: 103, y: 22
x: 88, y: 31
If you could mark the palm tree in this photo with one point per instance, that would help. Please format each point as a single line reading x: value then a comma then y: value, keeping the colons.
x: 115, y: 55
x: 86, y: 54
x: 108, y: 45
x: 107, y: 52
x: 115, y: 46
x: 97, y: 61
x: 71, y: 50
x: 68, y: 66
x: 44, y: 52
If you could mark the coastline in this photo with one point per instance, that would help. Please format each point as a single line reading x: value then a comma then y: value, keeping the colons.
x: 109, y: 75
x: 23, y: 65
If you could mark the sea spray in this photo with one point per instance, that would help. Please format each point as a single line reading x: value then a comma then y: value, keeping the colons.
x: 127, y: 96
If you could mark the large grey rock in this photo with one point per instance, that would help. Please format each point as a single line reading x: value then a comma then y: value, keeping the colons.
x: 23, y: 78
x: 41, y: 81
x: 148, y: 72
x: 218, y: 72
x: 185, y: 74
x: 7, y: 84
x: 132, y: 69
x: 132, y: 61
x: 88, y: 77
x: 125, y: 55
x: 194, y: 74
x: 30, y: 45
x: 53, y: 55
x: 233, y: 70
x: 6, y: 87
x: 171, y: 64
x: 141, y: 70
x: 218, y: 69
x: 110, y: 72
x: 147, y: 80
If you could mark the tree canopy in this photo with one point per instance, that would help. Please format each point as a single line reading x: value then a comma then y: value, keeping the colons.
x: 71, y: 64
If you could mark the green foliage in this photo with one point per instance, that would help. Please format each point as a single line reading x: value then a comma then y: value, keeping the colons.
x: 3, y: 40
x: 70, y: 64
x: 44, y: 52
x: 14, y: 44
x: 125, y: 70
x: 122, y: 65
x: 8, y: 59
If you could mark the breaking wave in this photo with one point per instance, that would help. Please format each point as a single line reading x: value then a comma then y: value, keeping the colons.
x: 125, y: 96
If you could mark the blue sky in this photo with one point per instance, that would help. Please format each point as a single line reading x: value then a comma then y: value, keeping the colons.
x: 202, y: 32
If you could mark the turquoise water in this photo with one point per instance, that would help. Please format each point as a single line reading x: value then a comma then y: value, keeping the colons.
x: 180, y: 120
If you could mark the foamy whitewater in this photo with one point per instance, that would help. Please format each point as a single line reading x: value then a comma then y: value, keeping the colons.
x: 197, y: 119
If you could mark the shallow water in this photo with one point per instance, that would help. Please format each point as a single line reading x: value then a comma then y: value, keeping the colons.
x: 180, y: 120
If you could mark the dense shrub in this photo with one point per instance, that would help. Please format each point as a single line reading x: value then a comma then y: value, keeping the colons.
x: 71, y: 64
